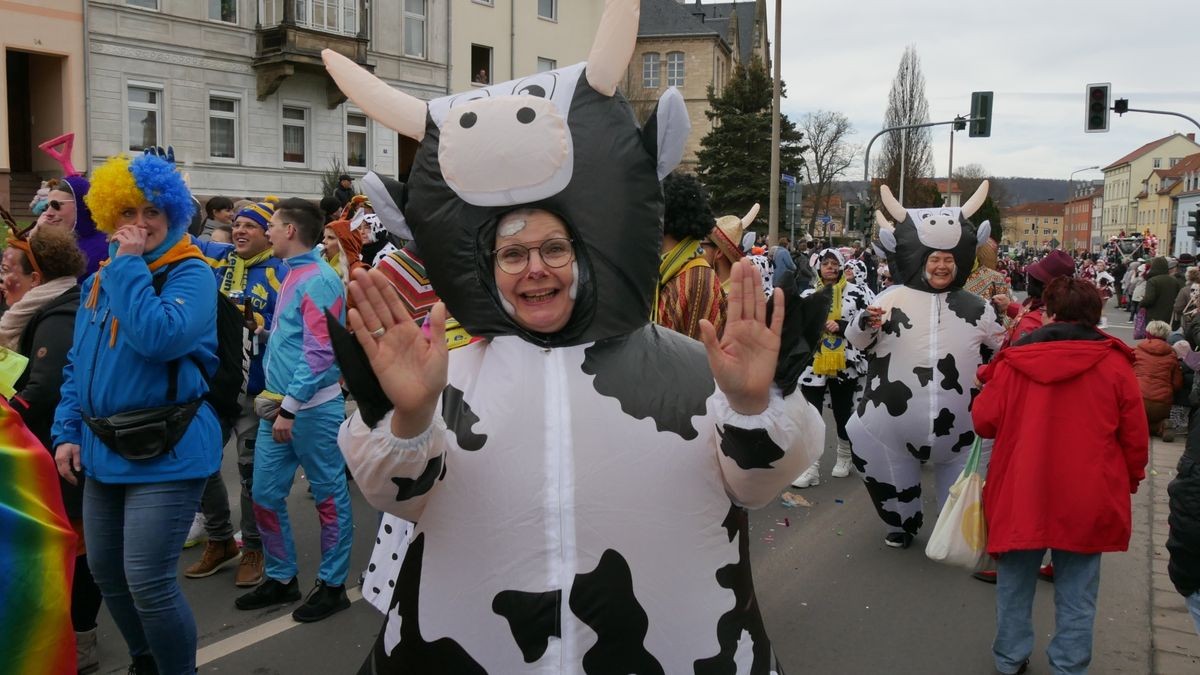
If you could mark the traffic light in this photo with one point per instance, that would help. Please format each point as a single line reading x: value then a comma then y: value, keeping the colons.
x: 1193, y: 227
x: 852, y: 216
x: 1095, y: 119
x: 1121, y: 106
x: 981, y: 113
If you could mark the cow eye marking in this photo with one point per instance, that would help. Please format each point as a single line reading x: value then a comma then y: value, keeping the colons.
x: 926, y: 216
x: 526, y: 115
x: 468, y: 120
x: 533, y: 90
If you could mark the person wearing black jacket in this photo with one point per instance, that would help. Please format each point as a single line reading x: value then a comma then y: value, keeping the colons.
x: 39, y: 278
x: 1183, y: 538
x: 345, y: 190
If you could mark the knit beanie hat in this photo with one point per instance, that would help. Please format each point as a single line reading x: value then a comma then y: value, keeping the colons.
x: 260, y: 212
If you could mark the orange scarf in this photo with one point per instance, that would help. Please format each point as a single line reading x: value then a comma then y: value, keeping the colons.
x: 182, y: 250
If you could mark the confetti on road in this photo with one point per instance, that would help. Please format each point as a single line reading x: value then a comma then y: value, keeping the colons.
x: 792, y: 500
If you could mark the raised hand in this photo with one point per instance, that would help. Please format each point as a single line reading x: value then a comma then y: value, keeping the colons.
x: 410, y: 367
x: 743, y: 360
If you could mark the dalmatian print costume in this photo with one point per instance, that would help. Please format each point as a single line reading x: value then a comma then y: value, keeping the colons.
x: 543, y: 541
x: 921, y: 363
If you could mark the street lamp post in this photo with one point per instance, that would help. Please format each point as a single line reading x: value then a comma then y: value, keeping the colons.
x: 1071, y: 195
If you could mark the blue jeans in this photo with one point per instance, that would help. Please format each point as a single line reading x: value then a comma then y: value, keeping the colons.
x: 1076, y: 584
x: 313, y: 446
x: 1193, y: 605
x: 134, y: 535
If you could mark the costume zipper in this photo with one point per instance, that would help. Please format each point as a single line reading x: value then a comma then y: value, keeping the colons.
x: 560, y: 479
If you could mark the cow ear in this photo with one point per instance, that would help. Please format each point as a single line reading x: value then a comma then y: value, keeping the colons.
x: 666, y: 131
x: 985, y: 231
x: 387, y: 197
x: 612, y: 48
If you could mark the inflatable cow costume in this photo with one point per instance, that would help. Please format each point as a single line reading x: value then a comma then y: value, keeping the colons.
x: 922, y: 354
x: 578, y: 498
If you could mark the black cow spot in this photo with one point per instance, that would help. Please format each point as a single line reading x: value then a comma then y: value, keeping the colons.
x: 407, y: 488
x: 460, y: 419
x: 921, y: 453
x: 880, y: 391
x: 413, y: 654
x: 965, y: 440
x: 924, y: 375
x: 653, y: 372
x: 373, y: 403
x: 604, y: 600
x: 533, y: 619
x: 966, y: 305
x: 750, y: 448
x: 744, y: 616
x: 896, y: 319
x: 943, y: 423
x: 949, y: 370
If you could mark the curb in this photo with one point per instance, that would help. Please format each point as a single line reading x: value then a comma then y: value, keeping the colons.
x: 1175, y: 647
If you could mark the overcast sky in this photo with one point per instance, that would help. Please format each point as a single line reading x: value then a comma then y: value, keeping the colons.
x: 1036, y: 55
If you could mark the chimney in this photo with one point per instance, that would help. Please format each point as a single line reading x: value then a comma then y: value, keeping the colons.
x: 1192, y: 136
x: 699, y: 13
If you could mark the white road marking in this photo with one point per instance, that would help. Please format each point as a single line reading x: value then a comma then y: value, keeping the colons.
x: 259, y: 633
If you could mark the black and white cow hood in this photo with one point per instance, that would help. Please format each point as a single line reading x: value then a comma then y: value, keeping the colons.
x: 563, y: 141
x: 918, y: 233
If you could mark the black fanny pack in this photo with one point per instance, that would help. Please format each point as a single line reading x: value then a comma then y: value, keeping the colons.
x: 144, y: 434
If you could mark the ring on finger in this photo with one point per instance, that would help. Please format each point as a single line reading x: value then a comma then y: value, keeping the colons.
x: 378, y: 332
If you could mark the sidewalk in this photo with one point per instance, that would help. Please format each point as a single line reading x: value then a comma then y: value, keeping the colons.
x: 1176, y: 647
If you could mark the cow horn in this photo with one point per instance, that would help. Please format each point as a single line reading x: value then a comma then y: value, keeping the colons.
x: 613, y: 47
x: 976, y: 200
x: 748, y: 219
x: 894, y: 208
x: 394, y: 109
x: 882, y: 221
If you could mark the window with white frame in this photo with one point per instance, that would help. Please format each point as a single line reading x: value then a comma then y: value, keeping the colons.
x: 414, y: 28
x: 674, y: 69
x: 144, y: 112
x: 545, y: 65
x: 222, y: 10
x: 650, y: 62
x: 1158, y: 162
x: 144, y: 4
x: 356, y: 140
x: 223, y: 128
x: 333, y: 16
x: 295, y: 134
x: 548, y: 9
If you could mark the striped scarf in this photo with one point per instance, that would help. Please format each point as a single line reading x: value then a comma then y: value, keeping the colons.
x: 237, y: 270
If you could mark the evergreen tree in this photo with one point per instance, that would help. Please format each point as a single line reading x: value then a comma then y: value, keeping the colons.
x: 735, y: 157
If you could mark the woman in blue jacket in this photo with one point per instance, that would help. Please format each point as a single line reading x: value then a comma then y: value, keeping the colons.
x: 133, y: 416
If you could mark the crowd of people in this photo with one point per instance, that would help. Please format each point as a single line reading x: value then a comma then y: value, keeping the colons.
x: 547, y: 345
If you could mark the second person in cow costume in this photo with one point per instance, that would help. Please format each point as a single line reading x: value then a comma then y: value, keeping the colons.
x: 533, y: 461
x: 925, y: 337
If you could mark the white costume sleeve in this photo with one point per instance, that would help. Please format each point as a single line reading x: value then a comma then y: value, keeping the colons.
x: 396, y: 475
x: 861, y: 338
x: 760, y: 454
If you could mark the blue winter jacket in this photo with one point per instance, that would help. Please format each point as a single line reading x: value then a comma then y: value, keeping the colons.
x: 153, y: 330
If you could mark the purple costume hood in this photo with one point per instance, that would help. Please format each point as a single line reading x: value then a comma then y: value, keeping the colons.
x: 92, y: 242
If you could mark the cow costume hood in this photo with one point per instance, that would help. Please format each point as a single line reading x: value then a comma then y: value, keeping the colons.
x: 920, y: 232
x: 563, y: 141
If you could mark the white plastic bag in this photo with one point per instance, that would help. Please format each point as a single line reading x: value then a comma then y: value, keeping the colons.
x: 960, y: 535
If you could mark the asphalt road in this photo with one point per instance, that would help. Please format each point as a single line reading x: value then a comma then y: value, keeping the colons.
x: 834, y: 598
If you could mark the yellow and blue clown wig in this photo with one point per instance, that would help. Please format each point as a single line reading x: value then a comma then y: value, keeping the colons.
x: 121, y: 183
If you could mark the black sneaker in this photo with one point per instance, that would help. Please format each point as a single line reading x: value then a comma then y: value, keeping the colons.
x: 323, y: 600
x: 143, y: 665
x: 270, y: 592
x: 898, y: 540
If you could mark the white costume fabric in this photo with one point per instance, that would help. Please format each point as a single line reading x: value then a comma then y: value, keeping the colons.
x: 921, y: 363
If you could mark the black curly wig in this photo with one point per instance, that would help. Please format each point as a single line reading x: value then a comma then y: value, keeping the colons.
x: 686, y: 210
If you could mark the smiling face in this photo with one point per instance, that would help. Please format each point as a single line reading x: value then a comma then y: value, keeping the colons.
x: 64, y: 215
x: 249, y: 238
x: 940, y: 269
x: 149, y: 218
x: 538, y: 296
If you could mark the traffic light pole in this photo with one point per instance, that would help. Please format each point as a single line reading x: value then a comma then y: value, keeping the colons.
x: 867, y: 154
x: 1156, y: 112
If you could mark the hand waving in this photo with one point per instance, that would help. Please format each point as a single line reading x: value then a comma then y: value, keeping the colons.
x: 411, y: 367
x: 743, y: 361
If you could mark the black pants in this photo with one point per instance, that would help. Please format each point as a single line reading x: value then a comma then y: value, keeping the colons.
x: 841, y: 398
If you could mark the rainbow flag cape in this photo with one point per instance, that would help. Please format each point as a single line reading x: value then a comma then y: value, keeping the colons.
x: 37, y: 557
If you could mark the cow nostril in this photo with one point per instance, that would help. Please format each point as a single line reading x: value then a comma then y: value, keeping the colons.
x: 468, y: 120
x: 526, y: 115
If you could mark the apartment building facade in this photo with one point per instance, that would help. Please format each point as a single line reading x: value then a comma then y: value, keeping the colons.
x: 1123, y: 182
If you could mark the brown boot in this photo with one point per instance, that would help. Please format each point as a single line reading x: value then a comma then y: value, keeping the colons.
x: 250, y: 569
x: 216, y: 554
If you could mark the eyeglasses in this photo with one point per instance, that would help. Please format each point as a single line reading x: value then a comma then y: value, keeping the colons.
x: 56, y: 204
x: 514, y: 258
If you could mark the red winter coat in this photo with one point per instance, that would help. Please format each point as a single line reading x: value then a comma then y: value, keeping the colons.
x: 1026, y: 319
x: 1157, y: 368
x: 1071, y: 442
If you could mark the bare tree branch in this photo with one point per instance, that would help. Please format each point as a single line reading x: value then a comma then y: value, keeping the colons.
x: 829, y: 155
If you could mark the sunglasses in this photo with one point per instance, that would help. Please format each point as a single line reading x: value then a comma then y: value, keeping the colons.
x: 56, y: 204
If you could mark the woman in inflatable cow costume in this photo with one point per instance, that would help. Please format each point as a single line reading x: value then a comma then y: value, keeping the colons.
x: 533, y: 462
x: 925, y: 337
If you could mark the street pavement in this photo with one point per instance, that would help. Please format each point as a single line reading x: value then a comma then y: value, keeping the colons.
x: 835, y: 600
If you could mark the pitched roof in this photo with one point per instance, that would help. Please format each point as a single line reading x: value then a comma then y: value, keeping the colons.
x: 1143, y: 150
x: 1184, y: 166
x: 1036, y: 209
x: 669, y: 18
x: 719, y: 13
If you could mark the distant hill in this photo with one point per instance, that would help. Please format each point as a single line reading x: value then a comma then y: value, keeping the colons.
x: 1013, y: 190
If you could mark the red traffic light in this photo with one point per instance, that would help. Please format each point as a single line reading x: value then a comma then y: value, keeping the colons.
x: 1096, y: 112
